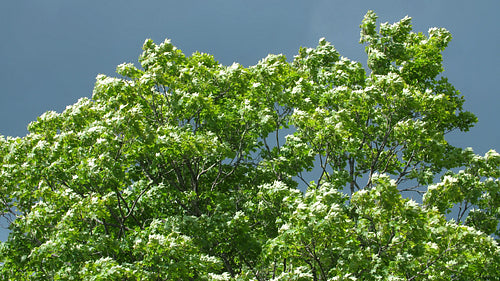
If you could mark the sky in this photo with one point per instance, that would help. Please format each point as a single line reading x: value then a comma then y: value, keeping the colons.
x: 52, y: 50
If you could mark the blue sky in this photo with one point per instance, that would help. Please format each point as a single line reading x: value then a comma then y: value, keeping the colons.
x: 52, y: 50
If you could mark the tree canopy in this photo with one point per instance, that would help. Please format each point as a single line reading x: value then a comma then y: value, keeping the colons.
x: 186, y: 169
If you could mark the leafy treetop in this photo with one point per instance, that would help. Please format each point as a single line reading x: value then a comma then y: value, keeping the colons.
x: 186, y: 169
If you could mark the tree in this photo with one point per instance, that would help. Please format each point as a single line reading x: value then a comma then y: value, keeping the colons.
x: 181, y: 170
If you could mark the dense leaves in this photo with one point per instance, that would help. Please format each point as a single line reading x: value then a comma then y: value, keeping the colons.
x: 186, y: 169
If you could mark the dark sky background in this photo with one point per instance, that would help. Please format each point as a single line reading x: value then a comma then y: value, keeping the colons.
x: 52, y: 50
